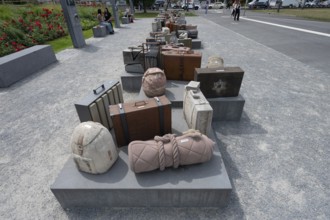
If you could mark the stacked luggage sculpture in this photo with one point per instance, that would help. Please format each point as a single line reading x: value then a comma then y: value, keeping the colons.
x: 146, y: 126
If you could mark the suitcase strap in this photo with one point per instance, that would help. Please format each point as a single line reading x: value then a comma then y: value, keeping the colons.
x: 181, y: 66
x: 161, y: 115
x: 124, y: 122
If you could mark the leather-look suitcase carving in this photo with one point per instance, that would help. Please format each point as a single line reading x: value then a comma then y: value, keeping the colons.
x: 141, y: 120
x: 219, y: 82
x: 94, y: 107
x: 175, y: 48
x: 181, y: 66
x: 196, y: 109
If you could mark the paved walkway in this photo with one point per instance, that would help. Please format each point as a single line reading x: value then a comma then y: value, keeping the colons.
x: 276, y: 156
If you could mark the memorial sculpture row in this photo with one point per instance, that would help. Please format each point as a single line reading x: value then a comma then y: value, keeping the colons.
x: 109, y: 123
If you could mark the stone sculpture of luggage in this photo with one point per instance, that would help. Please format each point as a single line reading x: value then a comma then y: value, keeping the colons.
x: 170, y: 151
x: 93, y: 148
x: 154, y: 82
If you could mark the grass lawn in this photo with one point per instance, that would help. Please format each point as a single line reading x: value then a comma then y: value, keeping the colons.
x: 65, y: 42
x: 318, y: 14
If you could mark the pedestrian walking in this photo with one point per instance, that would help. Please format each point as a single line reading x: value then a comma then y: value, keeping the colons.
x: 206, y: 6
x: 237, y: 9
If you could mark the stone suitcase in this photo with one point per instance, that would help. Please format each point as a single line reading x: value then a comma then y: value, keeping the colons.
x: 133, y: 55
x: 141, y: 120
x: 197, y: 111
x: 94, y: 107
x: 193, y: 33
x: 187, y: 42
x: 181, y: 66
x: 216, y: 82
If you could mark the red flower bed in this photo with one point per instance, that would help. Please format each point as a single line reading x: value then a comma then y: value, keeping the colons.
x: 32, y: 28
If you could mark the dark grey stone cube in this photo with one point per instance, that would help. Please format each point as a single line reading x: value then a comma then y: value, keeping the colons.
x: 227, y: 108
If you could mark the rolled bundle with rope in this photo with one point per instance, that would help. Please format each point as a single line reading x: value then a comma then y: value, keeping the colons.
x: 170, y: 151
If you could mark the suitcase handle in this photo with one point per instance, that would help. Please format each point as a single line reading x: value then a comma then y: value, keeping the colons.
x: 140, y: 103
x: 95, y: 90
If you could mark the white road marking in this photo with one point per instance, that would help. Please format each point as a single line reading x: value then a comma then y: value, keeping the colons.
x: 289, y: 27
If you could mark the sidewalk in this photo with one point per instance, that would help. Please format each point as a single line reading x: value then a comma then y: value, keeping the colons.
x: 276, y: 156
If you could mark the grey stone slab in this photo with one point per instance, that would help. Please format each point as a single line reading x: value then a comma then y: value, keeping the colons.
x: 196, y: 44
x: 227, y: 108
x: 99, y: 31
x: 131, y: 82
x: 124, y: 20
x: 200, y: 185
x: 174, y: 92
x: 19, y: 65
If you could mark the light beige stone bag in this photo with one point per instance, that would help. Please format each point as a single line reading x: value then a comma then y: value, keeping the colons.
x: 93, y: 148
x: 215, y: 62
x: 167, y: 151
x: 154, y: 82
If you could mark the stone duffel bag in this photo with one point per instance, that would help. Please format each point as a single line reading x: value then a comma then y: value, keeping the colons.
x: 170, y: 151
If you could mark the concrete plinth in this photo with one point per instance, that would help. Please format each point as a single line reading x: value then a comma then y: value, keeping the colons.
x: 124, y: 20
x: 174, y: 92
x: 99, y: 31
x: 131, y: 82
x: 200, y: 185
x: 21, y: 64
x: 196, y: 44
x: 227, y: 108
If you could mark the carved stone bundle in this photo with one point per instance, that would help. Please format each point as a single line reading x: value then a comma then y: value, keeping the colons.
x: 170, y: 151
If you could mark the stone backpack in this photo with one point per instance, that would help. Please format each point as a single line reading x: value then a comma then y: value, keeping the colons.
x: 154, y: 82
x: 93, y: 148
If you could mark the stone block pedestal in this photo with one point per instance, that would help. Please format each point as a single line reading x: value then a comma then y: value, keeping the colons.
x: 196, y: 44
x: 21, y: 64
x: 199, y: 185
x: 99, y: 31
x: 131, y: 82
x: 227, y: 108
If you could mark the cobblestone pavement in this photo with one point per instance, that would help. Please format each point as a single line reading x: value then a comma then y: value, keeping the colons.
x: 276, y: 156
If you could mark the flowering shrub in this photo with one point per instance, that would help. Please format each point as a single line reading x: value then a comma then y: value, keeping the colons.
x: 31, y: 28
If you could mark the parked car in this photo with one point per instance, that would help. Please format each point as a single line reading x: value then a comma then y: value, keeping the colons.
x: 258, y: 4
x: 311, y: 4
x: 197, y: 6
x: 216, y: 5
x: 325, y: 4
x: 174, y: 5
x: 190, y: 6
x: 290, y: 4
x: 160, y: 3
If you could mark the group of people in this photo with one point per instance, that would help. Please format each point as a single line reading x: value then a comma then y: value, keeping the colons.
x: 105, y: 19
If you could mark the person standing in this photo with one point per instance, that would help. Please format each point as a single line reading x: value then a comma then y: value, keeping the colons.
x: 206, y: 6
x: 237, y: 8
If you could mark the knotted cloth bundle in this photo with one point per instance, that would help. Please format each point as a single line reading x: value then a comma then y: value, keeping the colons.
x: 154, y: 82
x: 167, y: 151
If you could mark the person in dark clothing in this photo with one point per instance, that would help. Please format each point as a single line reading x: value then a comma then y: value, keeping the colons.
x: 101, y: 20
x: 108, y: 17
x: 237, y: 8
